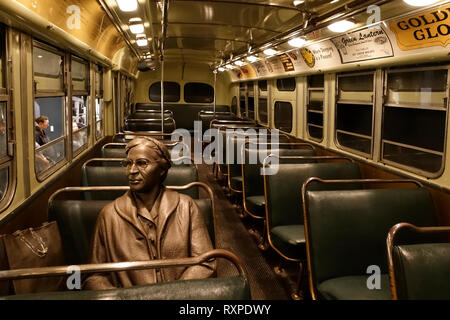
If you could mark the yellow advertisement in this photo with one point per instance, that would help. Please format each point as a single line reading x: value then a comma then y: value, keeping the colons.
x: 427, y: 29
x: 84, y: 19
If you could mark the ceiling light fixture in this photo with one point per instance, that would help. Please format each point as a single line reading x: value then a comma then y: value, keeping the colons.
x: 341, y: 26
x: 252, y: 58
x: 229, y: 66
x: 239, y: 63
x: 269, y: 52
x: 127, y: 5
x: 221, y: 69
x: 297, y: 42
x: 136, y: 25
x: 420, y: 3
x: 298, y: 2
x: 141, y: 42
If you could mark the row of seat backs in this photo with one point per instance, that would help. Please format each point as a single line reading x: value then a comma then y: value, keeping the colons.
x: 151, y: 125
x: 94, y: 172
x: 117, y: 150
x: 184, y: 114
x: 207, y: 116
x: 152, y: 114
x: 229, y: 288
x: 76, y: 218
x: 346, y: 232
x: 124, y: 137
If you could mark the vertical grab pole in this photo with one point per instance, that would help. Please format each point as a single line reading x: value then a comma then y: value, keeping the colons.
x: 215, y: 78
x: 162, y: 93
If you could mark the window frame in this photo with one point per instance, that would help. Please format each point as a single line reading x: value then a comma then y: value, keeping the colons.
x: 98, y: 72
x: 356, y: 102
x: 9, y: 161
x: 307, y: 109
x: 45, y: 174
x: 275, y: 114
x: 385, y: 103
x: 81, y: 93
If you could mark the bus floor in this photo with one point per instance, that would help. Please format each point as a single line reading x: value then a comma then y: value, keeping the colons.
x: 232, y: 234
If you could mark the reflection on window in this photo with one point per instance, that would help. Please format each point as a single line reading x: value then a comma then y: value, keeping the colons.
x: 3, y: 136
x: 98, y: 118
x: 47, y: 70
x: 286, y: 84
x: 242, y: 97
x: 234, y: 105
x: 196, y: 92
x: 250, y: 100
x: 414, y: 119
x: 283, y: 116
x: 314, y: 108
x: 262, y: 101
x: 171, y: 92
x: 354, y: 112
x: 79, y: 79
x: 47, y: 156
x: 79, y: 121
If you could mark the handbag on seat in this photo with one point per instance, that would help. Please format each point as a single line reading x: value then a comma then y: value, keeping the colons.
x: 34, y: 248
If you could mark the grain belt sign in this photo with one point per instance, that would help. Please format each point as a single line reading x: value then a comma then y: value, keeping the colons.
x: 427, y: 29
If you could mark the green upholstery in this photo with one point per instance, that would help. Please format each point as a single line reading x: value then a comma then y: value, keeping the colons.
x: 423, y: 271
x: 354, y: 288
x: 348, y: 228
x: 230, y: 288
x: 289, y: 239
x: 115, y: 176
x: 113, y: 152
x: 284, y: 202
x: 206, y: 117
x: 236, y: 183
x: 76, y: 222
x: 152, y: 125
x: 256, y: 205
x: 149, y: 115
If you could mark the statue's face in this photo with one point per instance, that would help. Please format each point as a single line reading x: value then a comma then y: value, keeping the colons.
x: 143, y: 170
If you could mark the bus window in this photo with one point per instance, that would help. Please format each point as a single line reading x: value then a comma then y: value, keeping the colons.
x: 283, y: 116
x: 354, y: 114
x: 250, y: 100
x: 262, y: 101
x: 50, y: 138
x: 196, y: 92
x: 98, y: 102
x: 242, y: 98
x: 171, y: 92
x: 314, y: 107
x: 414, y: 119
x: 80, y: 103
x: 234, y: 105
x: 286, y: 84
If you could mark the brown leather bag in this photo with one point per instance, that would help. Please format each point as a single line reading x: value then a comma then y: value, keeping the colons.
x: 33, y: 248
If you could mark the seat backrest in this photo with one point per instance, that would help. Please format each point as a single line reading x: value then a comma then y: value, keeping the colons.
x: 178, y: 175
x: 149, y: 114
x: 150, y: 125
x: 229, y: 288
x: 347, y: 228
x: 423, y: 271
x: 253, y: 177
x: 283, y: 189
x: 113, y: 151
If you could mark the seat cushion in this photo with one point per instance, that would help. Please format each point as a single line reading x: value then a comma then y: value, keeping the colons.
x: 354, y: 288
x: 236, y: 183
x: 290, y: 240
x: 256, y: 205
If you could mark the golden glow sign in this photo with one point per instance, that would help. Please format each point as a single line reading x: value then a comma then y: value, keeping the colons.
x: 427, y: 29
x: 84, y: 19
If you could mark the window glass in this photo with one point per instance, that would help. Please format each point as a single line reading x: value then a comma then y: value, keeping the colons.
x: 47, y: 70
x: 250, y: 100
x: 234, y: 105
x: 49, y: 115
x: 171, y: 92
x: 354, y: 112
x: 80, y: 121
x: 79, y: 78
x: 4, y: 182
x: 2, y: 57
x: 283, y: 116
x: 286, y: 84
x: 242, y: 97
x: 98, y: 81
x: 262, y: 101
x: 98, y: 102
x: 3, y: 133
x: 197, y: 92
x: 314, y: 108
x: 414, y: 120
